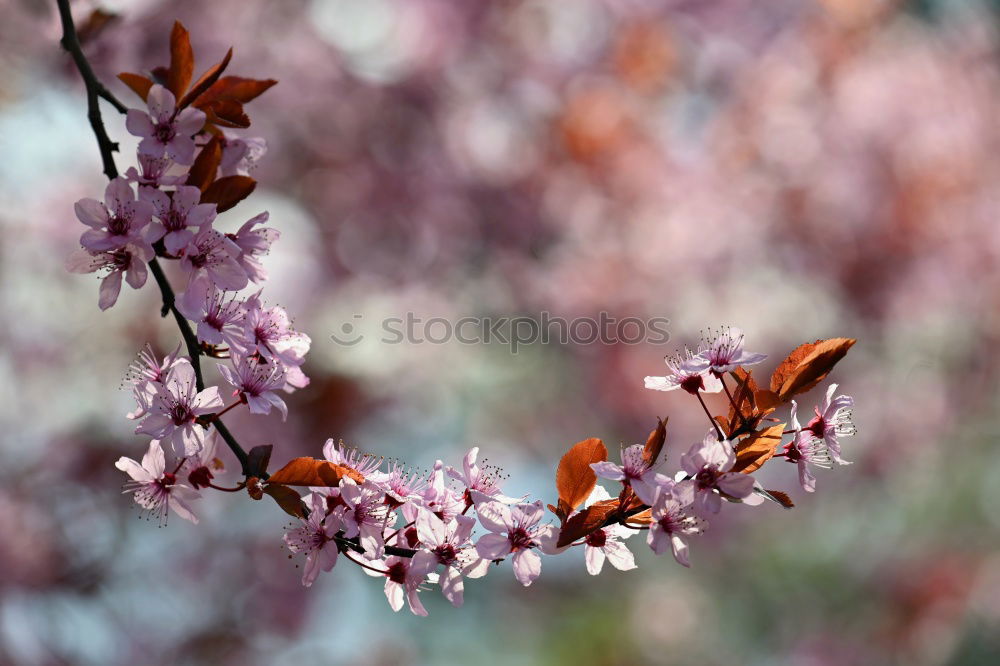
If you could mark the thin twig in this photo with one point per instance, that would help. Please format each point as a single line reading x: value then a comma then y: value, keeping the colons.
x: 95, y: 90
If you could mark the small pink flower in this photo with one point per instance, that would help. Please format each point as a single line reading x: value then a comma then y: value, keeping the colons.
x: 210, y: 259
x: 832, y: 421
x: 513, y: 530
x: 256, y: 380
x: 724, y: 353
x: 447, y: 545
x: 240, y: 156
x: 367, y: 516
x: 155, y: 489
x: 219, y: 317
x: 606, y: 543
x: 270, y: 333
x: 686, y: 372
x: 671, y: 522
x: 118, y: 222
x: 482, y: 484
x: 176, y: 213
x: 401, y: 485
x: 174, y: 408
x: 634, y: 471
x: 145, y: 374
x: 254, y: 243
x: 402, y: 581
x: 364, y: 464
x: 154, y: 172
x: 129, y: 261
x: 438, y: 498
x: 315, y: 537
x: 163, y: 130
x: 708, y: 463
x: 806, y: 448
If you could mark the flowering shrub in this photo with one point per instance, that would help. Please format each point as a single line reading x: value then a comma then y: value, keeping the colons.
x: 413, y: 530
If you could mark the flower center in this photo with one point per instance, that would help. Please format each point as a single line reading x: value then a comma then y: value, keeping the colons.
x: 817, y: 426
x: 692, y: 384
x: 173, y: 220
x: 519, y: 539
x: 119, y: 225
x: 597, y: 539
x: 707, y: 477
x: 179, y: 415
x: 446, y: 554
x: 164, y: 132
x: 397, y: 573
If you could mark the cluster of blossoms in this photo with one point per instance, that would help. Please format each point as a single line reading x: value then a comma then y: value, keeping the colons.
x: 411, y: 529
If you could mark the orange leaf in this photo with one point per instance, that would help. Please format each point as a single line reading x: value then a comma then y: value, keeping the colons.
x: 586, y: 521
x: 808, y: 365
x: 181, y: 61
x: 655, y: 441
x: 757, y: 449
x: 641, y: 518
x: 312, y: 472
x: 229, y: 191
x: 203, y: 170
x: 782, y: 498
x: 139, y: 84
x: 226, y: 113
x: 574, y: 478
x: 236, y: 89
x: 289, y: 500
x: 206, y: 80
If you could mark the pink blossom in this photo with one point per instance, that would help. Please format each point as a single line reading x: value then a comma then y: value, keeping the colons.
x: 364, y: 464
x: 210, y: 259
x: 155, y: 489
x: 254, y: 243
x: 671, y: 522
x: 634, y: 471
x: 708, y: 463
x: 176, y: 213
x: 447, y: 545
x: 129, y: 261
x: 154, y: 172
x: 833, y: 420
x: 241, y: 155
x: 145, y: 373
x: 204, y: 465
x: 256, y: 380
x: 724, y: 353
x: 270, y: 333
x: 606, y: 543
x: 482, y: 484
x: 117, y: 222
x: 367, y: 516
x: 219, y: 317
x: 805, y: 449
x: 513, y: 530
x: 438, y: 498
x: 401, y: 485
x: 175, y: 406
x: 315, y: 537
x: 687, y: 372
x: 403, y: 577
x: 164, y: 130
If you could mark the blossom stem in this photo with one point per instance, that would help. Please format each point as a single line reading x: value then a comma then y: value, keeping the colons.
x: 228, y: 490
x: 362, y: 564
x: 715, y: 424
x: 226, y: 409
x: 95, y: 91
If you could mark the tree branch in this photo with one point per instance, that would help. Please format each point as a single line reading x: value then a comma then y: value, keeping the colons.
x: 95, y: 90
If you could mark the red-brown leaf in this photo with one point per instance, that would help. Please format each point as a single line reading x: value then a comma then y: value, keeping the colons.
x: 808, y: 365
x: 236, y: 89
x: 574, y: 477
x: 312, y: 472
x: 226, y: 113
x: 289, y: 500
x: 757, y: 449
x: 138, y: 83
x: 181, y: 61
x: 229, y: 191
x: 206, y: 80
x: 783, y: 498
x: 654, y: 443
x: 203, y: 171
x: 586, y: 521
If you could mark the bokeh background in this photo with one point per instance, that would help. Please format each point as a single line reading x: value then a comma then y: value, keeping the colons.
x: 801, y: 169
